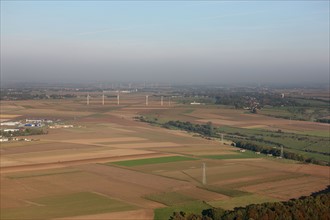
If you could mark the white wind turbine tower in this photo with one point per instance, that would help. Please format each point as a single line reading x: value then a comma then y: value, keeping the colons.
x: 147, y: 97
x: 87, y: 99
x: 204, y: 174
x: 103, y: 98
x: 118, y: 98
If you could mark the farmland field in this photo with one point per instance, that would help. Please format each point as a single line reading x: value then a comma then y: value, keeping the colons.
x: 130, y: 163
x: 109, y: 164
x: 70, y: 205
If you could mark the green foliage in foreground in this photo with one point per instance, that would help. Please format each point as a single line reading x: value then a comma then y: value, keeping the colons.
x: 83, y: 203
x: 132, y: 163
x: 310, y: 207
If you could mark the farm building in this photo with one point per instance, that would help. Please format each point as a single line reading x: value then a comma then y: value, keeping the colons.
x: 11, y: 130
x: 3, y: 139
x: 10, y: 123
x: 33, y: 125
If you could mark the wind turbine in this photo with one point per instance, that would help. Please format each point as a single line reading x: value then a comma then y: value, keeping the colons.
x: 87, y: 98
x: 118, y: 98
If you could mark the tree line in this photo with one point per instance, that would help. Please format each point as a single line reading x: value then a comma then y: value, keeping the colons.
x: 277, y: 152
x: 23, y: 132
x: 315, y: 206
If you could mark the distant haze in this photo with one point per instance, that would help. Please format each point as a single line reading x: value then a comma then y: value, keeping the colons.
x: 188, y: 42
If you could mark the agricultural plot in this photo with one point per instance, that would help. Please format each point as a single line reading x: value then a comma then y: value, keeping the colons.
x: 82, y: 203
x: 233, y: 156
x: 110, y: 163
x: 198, y: 150
x: 241, y: 119
x: 303, y: 185
x: 48, y: 172
x: 170, y: 198
x: 132, y: 163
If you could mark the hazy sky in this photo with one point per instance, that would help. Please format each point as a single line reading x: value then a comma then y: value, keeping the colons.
x: 188, y: 41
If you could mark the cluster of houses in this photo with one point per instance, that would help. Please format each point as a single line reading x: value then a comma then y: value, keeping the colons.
x: 9, y: 128
x: 27, y: 123
x: 6, y: 139
x: 60, y: 126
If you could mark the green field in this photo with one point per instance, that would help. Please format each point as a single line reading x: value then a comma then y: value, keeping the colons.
x: 195, y: 207
x: 247, y: 154
x: 83, y: 203
x: 225, y: 190
x: 307, y: 110
x: 241, y: 201
x: 313, y: 146
x: 132, y: 163
x: 314, y: 133
x: 170, y: 198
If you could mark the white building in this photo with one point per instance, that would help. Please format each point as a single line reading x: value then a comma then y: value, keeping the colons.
x: 33, y: 120
x: 10, y: 123
x: 11, y: 130
x: 3, y: 139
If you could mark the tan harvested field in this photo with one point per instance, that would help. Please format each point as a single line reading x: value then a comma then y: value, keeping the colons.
x: 238, y: 118
x: 8, y: 116
x: 79, y: 159
x: 140, y: 214
x: 288, y: 188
